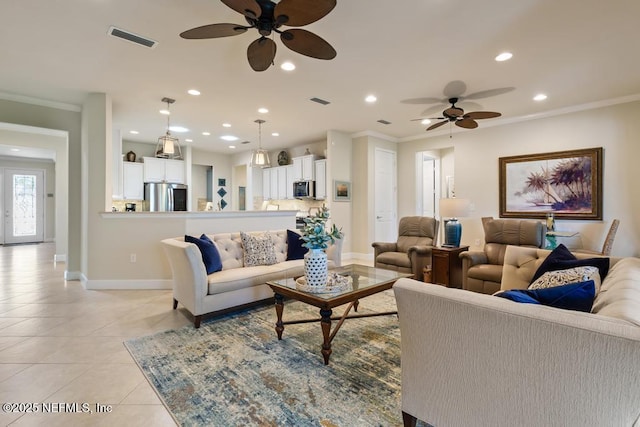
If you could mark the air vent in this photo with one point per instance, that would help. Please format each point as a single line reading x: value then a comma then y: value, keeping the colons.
x: 245, y: 142
x: 320, y: 101
x: 125, y: 35
x: 384, y: 122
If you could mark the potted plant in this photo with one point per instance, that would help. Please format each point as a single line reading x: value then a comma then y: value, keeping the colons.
x: 316, y: 238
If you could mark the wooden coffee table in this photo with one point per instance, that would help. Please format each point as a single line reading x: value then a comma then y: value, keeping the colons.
x: 365, y: 281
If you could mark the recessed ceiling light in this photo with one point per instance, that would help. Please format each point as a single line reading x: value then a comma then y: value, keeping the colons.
x: 275, y: 134
x: 232, y: 146
x: 206, y: 133
x: 288, y: 66
x: 193, y: 92
x: 165, y: 112
x: 188, y: 140
x: 263, y: 110
x: 15, y: 149
x: 229, y: 137
x: 226, y: 125
x: 426, y: 122
x: 371, y: 99
x: 134, y: 132
x: 179, y: 129
x: 504, y: 56
x: 540, y: 97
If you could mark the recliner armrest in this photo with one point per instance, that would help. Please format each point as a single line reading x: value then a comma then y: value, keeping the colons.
x: 380, y: 247
x: 420, y: 250
x: 473, y: 258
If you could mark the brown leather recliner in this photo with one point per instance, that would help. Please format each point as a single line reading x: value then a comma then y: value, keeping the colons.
x: 412, y: 252
x: 482, y: 270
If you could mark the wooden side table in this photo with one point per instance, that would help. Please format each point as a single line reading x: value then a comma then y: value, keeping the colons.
x: 447, y: 266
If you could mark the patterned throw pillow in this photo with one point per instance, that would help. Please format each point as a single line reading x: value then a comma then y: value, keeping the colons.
x: 551, y: 279
x: 258, y: 249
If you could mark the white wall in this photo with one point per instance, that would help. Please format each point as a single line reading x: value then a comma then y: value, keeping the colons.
x: 615, y: 128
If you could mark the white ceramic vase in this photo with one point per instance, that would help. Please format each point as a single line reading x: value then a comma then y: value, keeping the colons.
x: 315, y: 268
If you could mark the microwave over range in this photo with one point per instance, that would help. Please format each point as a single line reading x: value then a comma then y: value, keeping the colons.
x: 304, y: 189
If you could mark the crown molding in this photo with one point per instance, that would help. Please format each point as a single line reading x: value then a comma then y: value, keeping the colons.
x: 41, y: 102
x: 375, y: 134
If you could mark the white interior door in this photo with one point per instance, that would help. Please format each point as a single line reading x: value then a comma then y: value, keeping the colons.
x: 23, y: 205
x: 385, y: 196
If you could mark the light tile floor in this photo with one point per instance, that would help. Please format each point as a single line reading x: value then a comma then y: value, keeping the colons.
x: 60, y: 343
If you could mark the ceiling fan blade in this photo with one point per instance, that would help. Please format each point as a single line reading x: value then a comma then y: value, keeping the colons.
x: 489, y: 92
x: 213, y: 31
x: 467, y: 123
x: 307, y: 43
x: 469, y: 106
x: 261, y: 53
x: 427, y: 118
x: 437, y: 125
x: 296, y: 13
x: 422, y: 101
x: 475, y: 115
x: 248, y: 8
x: 453, y: 112
x: 454, y: 89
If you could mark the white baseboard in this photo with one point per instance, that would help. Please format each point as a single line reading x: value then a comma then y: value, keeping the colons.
x: 358, y: 256
x: 127, y: 285
x: 72, y: 275
x: 60, y: 258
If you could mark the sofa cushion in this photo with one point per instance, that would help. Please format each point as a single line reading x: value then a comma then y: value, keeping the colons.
x: 398, y: 259
x: 258, y: 249
x: 574, y: 296
x: 486, y: 272
x: 561, y: 258
x: 295, y: 250
x: 551, y: 279
x: 209, y: 251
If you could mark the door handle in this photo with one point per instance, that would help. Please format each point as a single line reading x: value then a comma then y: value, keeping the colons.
x: 378, y: 217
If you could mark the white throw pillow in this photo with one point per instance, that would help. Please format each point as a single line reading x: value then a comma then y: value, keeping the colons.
x: 258, y: 249
x: 552, y: 279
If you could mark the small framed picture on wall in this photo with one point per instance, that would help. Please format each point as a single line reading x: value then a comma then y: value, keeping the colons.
x: 341, y: 191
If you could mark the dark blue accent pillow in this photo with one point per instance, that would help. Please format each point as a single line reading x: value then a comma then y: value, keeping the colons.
x: 295, y: 250
x: 561, y: 259
x: 574, y: 296
x: 209, y: 251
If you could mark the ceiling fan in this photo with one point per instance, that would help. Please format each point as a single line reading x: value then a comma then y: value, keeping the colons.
x: 266, y: 16
x: 457, y: 116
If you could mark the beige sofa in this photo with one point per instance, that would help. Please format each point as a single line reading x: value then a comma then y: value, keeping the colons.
x: 235, y: 285
x: 478, y: 360
x: 482, y: 270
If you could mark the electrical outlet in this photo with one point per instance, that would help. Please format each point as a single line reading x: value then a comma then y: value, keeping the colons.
x: 477, y: 243
x: 132, y: 258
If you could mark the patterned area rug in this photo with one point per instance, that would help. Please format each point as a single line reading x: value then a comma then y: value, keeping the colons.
x: 234, y: 371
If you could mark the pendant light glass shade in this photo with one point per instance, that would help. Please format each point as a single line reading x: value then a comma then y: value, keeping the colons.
x: 260, y: 157
x: 168, y: 147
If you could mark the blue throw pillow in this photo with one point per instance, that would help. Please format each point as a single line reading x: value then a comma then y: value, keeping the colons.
x: 574, y: 296
x: 561, y: 259
x: 295, y: 250
x: 209, y: 251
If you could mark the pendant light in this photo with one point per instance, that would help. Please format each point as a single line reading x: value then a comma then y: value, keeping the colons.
x: 168, y: 147
x: 260, y: 157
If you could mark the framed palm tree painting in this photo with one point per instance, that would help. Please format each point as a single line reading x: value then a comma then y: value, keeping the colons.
x: 565, y: 183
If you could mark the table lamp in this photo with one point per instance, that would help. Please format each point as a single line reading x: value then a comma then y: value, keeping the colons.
x: 452, y: 209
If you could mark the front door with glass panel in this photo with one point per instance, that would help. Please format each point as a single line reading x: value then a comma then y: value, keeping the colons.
x: 23, y: 205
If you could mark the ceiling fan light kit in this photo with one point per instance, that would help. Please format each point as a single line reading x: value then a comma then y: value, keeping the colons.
x: 168, y: 147
x: 267, y: 17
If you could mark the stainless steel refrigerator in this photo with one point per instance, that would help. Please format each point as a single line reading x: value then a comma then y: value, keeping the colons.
x: 165, y: 197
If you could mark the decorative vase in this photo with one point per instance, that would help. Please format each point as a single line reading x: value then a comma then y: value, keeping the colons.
x: 315, y: 268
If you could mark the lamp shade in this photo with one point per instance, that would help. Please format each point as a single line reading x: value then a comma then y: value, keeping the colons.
x: 260, y: 158
x: 454, y: 208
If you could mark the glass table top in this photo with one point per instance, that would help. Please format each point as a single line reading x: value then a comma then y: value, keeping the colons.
x: 361, y: 277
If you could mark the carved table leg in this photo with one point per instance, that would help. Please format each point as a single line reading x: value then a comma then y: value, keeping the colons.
x: 325, y: 323
x: 355, y: 305
x: 279, y: 307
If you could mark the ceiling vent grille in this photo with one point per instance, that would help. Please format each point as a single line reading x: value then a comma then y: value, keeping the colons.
x: 320, y: 101
x: 133, y: 38
x: 384, y: 122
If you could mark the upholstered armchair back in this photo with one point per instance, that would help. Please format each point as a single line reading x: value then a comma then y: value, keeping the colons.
x: 499, y: 233
x: 416, y: 231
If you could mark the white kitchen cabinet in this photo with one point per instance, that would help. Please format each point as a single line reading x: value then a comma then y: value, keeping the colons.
x: 133, y: 181
x: 116, y: 172
x: 282, y: 182
x: 274, y: 184
x: 320, y: 167
x: 163, y: 170
x: 303, y: 169
x: 266, y: 184
x: 290, y: 181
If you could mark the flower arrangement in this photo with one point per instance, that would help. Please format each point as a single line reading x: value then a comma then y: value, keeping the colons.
x: 314, y: 232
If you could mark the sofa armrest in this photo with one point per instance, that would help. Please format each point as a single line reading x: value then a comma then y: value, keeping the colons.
x: 420, y: 258
x: 507, y: 360
x: 420, y: 250
x: 381, y: 247
x: 189, y: 274
x: 472, y: 258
